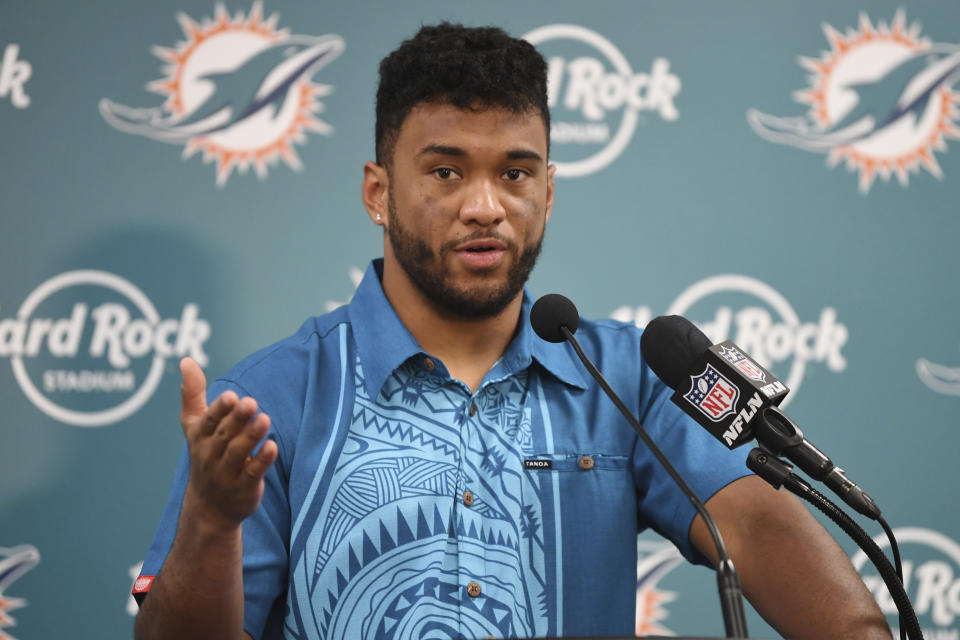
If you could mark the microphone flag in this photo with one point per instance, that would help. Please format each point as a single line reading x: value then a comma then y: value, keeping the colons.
x: 725, y: 392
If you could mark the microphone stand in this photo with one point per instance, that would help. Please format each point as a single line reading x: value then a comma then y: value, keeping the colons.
x: 731, y: 598
x: 778, y: 474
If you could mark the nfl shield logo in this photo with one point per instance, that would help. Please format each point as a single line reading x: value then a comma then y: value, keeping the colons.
x: 712, y: 394
x: 742, y: 362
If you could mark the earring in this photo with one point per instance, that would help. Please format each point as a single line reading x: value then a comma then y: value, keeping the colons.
x: 379, y: 219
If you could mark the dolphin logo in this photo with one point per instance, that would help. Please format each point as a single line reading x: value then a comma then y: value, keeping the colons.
x: 901, y: 92
x: 14, y: 562
x: 941, y: 379
x: 237, y: 89
x: 263, y: 81
x: 662, y: 559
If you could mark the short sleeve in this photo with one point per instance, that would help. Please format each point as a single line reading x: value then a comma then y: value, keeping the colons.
x: 705, y: 463
x: 265, y: 534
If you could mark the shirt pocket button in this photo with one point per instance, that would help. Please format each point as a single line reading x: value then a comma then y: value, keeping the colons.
x: 585, y: 463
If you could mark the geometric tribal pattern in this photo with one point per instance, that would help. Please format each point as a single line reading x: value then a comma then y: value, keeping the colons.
x: 393, y: 546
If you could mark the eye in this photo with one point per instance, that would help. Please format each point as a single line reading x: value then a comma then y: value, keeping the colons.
x: 444, y: 173
x: 514, y: 175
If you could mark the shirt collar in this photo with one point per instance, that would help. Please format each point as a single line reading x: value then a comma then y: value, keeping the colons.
x: 557, y: 358
x: 384, y: 343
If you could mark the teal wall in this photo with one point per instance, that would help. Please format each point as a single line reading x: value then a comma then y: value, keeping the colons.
x: 668, y: 199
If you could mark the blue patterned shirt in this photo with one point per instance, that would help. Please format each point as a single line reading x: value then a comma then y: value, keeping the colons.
x: 404, y: 506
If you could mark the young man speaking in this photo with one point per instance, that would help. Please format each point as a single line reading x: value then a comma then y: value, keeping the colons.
x: 429, y: 468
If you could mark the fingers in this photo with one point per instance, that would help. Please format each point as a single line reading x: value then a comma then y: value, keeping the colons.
x: 257, y: 466
x: 221, y: 438
x: 232, y: 424
x: 221, y: 407
x: 193, y: 389
x: 243, y: 443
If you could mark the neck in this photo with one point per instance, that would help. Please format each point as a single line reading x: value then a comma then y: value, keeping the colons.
x: 468, y: 347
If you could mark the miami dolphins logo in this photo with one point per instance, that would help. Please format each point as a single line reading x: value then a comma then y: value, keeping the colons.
x: 238, y: 90
x: 940, y: 378
x: 881, y: 101
x: 655, y: 560
x: 13, y: 563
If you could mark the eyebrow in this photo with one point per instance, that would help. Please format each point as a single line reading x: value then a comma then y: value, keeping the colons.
x: 524, y: 154
x: 441, y: 150
x: 446, y: 150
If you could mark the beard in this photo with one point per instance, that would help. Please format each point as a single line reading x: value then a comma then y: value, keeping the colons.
x: 426, y: 269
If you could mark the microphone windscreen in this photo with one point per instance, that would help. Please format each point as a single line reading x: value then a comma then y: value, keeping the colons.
x: 551, y: 312
x: 672, y: 345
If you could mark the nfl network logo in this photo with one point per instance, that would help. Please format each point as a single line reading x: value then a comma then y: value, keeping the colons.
x: 712, y: 394
x: 742, y: 362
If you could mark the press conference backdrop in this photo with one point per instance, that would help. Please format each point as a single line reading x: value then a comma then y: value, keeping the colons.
x: 784, y: 174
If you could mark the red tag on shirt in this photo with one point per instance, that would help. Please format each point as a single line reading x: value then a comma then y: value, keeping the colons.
x: 142, y: 584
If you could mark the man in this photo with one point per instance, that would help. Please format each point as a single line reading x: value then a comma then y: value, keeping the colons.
x: 430, y: 467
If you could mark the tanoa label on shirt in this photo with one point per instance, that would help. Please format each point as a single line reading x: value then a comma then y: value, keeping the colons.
x: 538, y: 464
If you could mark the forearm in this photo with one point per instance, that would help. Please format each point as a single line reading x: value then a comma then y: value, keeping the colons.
x: 818, y: 595
x: 791, y: 569
x: 199, y: 591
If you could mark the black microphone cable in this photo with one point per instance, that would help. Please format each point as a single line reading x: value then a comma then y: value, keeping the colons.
x: 555, y: 318
x: 895, y: 549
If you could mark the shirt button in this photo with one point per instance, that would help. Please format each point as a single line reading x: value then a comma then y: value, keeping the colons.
x: 428, y: 364
x: 473, y: 589
x: 473, y: 408
x: 467, y: 498
x: 586, y: 463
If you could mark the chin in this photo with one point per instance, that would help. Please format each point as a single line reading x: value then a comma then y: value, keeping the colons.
x: 479, y: 303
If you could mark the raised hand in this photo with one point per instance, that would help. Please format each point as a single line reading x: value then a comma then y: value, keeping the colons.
x: 226, y: 482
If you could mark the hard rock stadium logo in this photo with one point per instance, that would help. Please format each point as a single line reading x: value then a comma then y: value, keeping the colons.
x: 761, y: 321
x: 881, y: 101
x: 88, y: 348
x: 238, y: 90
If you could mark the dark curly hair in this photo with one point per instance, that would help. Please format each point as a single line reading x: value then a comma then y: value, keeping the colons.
x: 467, y: 67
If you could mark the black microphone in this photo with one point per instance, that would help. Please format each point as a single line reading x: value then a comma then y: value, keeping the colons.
x: 736, y: 399
x: 550, y: 314
x: 554, y: 318
x: 719, y: 386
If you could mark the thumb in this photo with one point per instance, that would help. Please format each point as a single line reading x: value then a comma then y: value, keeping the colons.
x: 193, y: 389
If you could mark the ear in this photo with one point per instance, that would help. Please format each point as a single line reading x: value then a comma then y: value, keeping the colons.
x: 375, y: 191
x: 552, y: 169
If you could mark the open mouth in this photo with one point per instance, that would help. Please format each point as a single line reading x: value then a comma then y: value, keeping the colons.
x: 481, y: 245
x: 482, y: 254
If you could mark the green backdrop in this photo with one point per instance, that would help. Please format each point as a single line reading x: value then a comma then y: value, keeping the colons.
x: 784, y: 174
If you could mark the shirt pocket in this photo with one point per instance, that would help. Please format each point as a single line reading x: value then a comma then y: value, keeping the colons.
x: 575, y: 462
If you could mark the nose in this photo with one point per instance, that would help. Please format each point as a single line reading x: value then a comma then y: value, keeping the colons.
x: 482, y: 204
